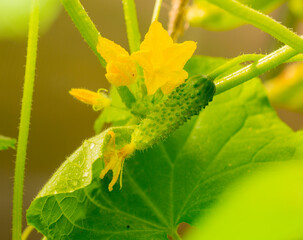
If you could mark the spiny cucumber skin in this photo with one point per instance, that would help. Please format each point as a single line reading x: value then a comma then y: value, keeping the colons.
x: 184, y: 102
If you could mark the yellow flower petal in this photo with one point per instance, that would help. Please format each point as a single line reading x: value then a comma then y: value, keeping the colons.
x: 98, y: 100
x: 177, y: 78
x: 114, y: 160
x: 121, y: 73
x: 121, y: 68
x: 156, y: 38
x: 109, y: 50
x: 162, y: 60
x: 143, y: 59
x: 177, y: 55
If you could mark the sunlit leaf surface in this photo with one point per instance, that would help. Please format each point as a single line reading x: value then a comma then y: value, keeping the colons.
x: 266, y: 206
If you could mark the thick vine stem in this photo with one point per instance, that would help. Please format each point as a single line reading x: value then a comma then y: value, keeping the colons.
x: 134, y: 40
x: 132, y: 27
x: 233, y: 62
x: 84, y: 24
x: 176, y: 18
x: 25, y: 118
x: 245, y: 58
x: 255, y: 69
x: 261, y: 21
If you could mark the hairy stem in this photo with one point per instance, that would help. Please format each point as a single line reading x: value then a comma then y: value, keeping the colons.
x: 245, y: 58
x: 132, y: 27
x: 261, y: 21
x: 134, y: 41
x: 255, y: 69
x: 233, y: 62
x: 156, y: 11
x: 25, y: 118
x: 84, y: 24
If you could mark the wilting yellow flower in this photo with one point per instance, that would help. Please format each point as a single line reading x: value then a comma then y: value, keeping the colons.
x: 163, y: 60
x: 121, y: 68
x: 114, y: 160
x: 98, y: 100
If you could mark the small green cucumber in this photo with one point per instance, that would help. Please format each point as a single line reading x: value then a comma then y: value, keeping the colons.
x: 184, y: 102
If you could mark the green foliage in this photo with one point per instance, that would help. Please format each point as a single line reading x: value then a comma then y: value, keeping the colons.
x: 176, y: 181
x: 77, y: 171
x: 206, y: 15
x: 14, y: 16
x: 266, y: 206
x: 6, y: 143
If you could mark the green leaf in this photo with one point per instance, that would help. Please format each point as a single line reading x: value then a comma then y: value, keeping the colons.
x: 206, y: 15
x: 14, y: 16
x: 77, y: 171
x: 175, y: 181
x: 115, y: 114
x: 6, y: 143
x: 267, y: 206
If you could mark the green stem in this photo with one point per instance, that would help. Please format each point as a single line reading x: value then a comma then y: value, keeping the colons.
x: 261, y: 21
x: 245, y: 58
x: 255, y: 69
x: 156, y: 11
x: 27, y: 232
x: 132, y: 27
x: 84, y: 24
x: 234, y: 62
x: 126, y: 96
x: 25, y: 118
x: 134, y: 41
x: 297, y: 58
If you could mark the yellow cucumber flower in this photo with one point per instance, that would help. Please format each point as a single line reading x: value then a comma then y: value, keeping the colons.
x: 114, y: 160
x: 163, y: 60
x: 121, y: 68
x: 98, y: 100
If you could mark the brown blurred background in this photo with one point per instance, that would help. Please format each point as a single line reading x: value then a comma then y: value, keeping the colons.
x: 59, y: 123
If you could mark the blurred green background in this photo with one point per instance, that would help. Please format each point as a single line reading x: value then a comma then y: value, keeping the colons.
x: 60, y: 123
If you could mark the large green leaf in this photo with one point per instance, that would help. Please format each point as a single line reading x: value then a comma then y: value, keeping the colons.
x: 175, y: 181
x: 266, y: 206
x: 6, y: 143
